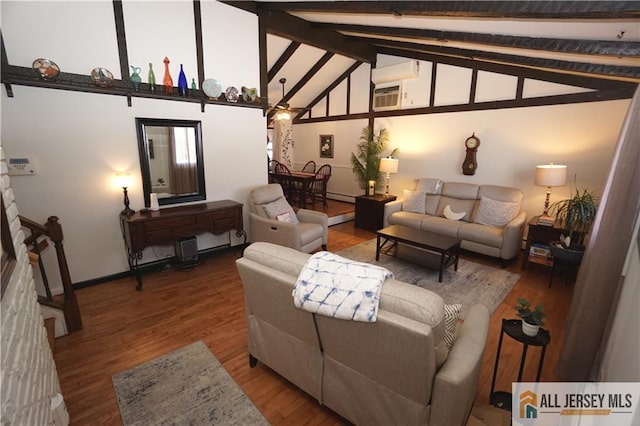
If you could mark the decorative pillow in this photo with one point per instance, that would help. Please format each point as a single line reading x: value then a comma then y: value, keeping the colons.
x: 451, y: 313
x: 495, y: 213
x: 284, y: 217
x: 413, y: 201
x: 451, y: 215
x: 429, y: 185
x: 280, y: 207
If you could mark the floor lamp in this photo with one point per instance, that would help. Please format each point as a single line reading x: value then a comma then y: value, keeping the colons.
x: 550, y: 175
x: 388, y: 165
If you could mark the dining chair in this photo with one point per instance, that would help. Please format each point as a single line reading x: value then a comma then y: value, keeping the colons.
x: 309, y: 167
x: 319, y: 186
x: 283, y: 177
x: 272, y: 169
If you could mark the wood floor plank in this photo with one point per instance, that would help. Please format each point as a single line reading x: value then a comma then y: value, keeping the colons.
x: 124, y: 328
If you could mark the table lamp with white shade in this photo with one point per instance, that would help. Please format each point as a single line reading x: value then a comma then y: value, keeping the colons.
x: 388, y: 165
x: 550, y: 175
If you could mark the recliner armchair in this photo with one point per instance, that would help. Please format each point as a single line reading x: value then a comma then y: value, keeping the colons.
x: 272, y: 219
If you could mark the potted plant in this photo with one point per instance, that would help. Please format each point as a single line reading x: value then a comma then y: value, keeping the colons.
x: 576, y: 216
x: 366, y: 163
x: 531, y: 318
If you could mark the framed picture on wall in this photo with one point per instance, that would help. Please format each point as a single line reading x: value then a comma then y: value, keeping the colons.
x: 326, y: 146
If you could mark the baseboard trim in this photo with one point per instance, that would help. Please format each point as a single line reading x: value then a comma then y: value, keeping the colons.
x: 342, y: 197
x: 334, y: 220
x: 156, y: 265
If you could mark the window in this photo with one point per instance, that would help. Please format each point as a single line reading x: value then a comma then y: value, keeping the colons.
x: 185, y: 145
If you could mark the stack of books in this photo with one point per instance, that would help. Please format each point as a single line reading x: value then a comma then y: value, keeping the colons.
x: 546, y: 220
x: 540, y: 253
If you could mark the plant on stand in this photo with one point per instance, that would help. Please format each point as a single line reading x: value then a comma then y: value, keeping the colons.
x: 531, y: 318
x: 366, y: 163
x: 576, y: 216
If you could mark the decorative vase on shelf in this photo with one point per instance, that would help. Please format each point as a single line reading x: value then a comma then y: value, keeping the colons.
x: 167, y: 81
x: 182, y: 83
x: 152, y: 78
x: 194, y: 87
x: 135, y: 78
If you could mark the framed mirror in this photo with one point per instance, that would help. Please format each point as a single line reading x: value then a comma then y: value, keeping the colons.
x: 171, y: 160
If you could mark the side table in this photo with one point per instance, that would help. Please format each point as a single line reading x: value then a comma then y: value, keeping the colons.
x: 370, y: 211
x: 513, y: 329
x: 539, y: 234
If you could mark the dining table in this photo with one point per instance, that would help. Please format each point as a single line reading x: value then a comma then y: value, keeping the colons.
x: 304, y: 181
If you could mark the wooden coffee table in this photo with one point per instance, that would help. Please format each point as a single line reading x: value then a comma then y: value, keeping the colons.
x: 447, y: 247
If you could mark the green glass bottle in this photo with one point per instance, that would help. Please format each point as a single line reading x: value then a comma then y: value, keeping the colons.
x: 135, y: 77
x: 152, y: 78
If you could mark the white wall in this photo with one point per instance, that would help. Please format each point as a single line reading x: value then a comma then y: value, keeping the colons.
x: 513, y: 141
x: 80, y: 140
x: 621, y: 357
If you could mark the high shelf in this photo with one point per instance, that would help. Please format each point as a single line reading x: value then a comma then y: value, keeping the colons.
x: 24, y: 76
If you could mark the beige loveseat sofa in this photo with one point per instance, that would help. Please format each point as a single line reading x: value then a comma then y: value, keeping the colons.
x: 395, y: 371
x: 491, y: 223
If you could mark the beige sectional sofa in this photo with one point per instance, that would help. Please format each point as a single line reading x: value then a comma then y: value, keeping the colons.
x: 491, y: 223
x: 396, y: 370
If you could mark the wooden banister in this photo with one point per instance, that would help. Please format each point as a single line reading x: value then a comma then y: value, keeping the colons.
x: 53, y: 230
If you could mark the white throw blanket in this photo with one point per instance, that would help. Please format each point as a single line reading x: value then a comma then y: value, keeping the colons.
x: 334, y: 286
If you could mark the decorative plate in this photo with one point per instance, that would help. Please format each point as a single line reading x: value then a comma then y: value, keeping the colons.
x: 46, y: 69
x: 102, y: 77
x: 232, y: 94
x: 249, y: 95
x: 212, y: 88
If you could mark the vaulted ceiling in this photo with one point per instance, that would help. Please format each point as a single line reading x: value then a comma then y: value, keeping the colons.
x: 316, y: 44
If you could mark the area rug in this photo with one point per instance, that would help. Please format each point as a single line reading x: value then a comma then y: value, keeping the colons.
x: 472, y: 283
x: 186, y: 387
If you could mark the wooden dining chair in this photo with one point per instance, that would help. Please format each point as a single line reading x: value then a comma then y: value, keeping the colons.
x: 283, y: 177
x: 319, y: 186
x: 309, y: 167
x: 272, y: 169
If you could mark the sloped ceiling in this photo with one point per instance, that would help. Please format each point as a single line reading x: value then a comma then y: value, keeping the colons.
x: 313, y: 43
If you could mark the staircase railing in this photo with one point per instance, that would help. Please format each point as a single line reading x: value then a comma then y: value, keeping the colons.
x: 53, y: 231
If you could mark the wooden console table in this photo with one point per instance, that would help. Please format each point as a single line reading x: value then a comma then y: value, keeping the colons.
x: 143, y: 229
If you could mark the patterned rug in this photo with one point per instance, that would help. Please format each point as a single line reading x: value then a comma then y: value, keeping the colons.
x: 186, y: 387
x: 472, y: 283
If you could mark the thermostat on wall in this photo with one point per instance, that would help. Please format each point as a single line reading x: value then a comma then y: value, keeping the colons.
x: 22, y: 166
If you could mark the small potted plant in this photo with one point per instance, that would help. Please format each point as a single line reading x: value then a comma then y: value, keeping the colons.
x: 531, y: 318
x: 576, y: 216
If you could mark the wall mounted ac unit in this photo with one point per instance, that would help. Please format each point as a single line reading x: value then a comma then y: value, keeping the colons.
x: 398, y: 72
x: 387, y: 97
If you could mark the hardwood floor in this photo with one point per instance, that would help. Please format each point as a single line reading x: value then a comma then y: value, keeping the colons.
x: 124, y: 328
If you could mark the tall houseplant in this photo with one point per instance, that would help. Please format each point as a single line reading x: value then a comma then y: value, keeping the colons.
x: 576, y: 216
x: 366, y: 162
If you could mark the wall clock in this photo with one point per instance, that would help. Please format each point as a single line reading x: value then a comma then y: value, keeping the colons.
x: 470, y: 164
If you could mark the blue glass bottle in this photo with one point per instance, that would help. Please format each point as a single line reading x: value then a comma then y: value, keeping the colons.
x: 182, y: 83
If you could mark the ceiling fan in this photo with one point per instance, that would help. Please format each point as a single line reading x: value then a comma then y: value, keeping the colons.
x: 282, y: 110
